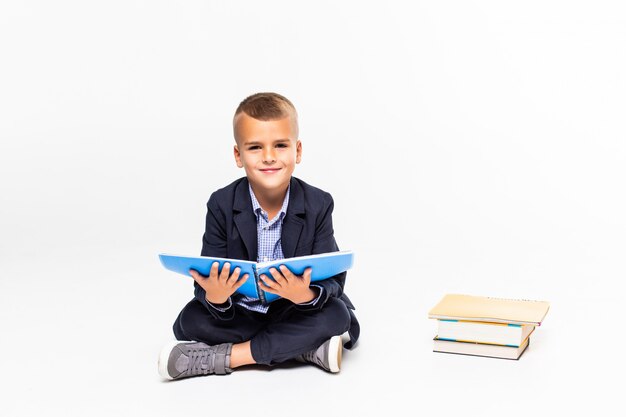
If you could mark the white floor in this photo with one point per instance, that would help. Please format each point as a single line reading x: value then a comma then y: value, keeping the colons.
x: 472, y: 147
x: 80, y: 343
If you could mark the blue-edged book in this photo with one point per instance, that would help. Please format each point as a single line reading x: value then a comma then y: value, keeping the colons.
x: 323, y: 266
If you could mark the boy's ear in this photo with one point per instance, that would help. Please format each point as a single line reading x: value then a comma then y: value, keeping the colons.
x: 237, y: 157
x: 298, y: 151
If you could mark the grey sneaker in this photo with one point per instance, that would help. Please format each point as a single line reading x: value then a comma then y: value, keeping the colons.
x: 327, y: 356
x: 184, y: 359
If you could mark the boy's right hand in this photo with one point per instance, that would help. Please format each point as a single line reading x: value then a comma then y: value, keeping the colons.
x: 220, y: 286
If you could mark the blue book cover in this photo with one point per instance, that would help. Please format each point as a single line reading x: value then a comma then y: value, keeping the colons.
x: 323, y: 266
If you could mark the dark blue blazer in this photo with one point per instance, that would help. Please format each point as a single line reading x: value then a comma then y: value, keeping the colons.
x: 231, y: 232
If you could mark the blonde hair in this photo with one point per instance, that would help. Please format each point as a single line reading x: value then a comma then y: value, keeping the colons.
x: 268, y: 106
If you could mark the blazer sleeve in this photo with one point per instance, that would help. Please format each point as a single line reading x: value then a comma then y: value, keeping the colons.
x: 323, y: 242
x: 214, y: 244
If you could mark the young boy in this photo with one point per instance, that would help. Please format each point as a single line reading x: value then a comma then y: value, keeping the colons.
x: 264, y: 216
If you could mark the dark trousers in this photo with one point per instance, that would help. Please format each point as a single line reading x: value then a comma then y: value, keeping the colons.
x: 282, y: 334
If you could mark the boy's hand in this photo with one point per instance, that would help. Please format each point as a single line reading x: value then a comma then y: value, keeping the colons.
x: 220, y: 286
x: 288, y: 285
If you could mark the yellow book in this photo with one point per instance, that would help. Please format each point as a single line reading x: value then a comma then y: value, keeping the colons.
x: 487, y: 309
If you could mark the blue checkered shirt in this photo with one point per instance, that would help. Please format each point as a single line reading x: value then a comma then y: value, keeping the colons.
x: 268, y: 243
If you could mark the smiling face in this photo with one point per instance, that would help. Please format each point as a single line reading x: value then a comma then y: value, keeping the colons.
x: 268, y: 150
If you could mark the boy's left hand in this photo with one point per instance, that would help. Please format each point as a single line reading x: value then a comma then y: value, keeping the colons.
x: 293, y: 287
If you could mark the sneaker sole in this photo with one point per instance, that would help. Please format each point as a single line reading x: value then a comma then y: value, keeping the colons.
x: 334, y: 361
x: 164, y: 358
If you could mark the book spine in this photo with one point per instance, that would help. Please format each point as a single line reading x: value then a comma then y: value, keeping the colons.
x: 258, y: 288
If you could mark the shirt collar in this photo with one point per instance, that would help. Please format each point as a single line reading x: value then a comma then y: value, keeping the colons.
x: 256, y: 207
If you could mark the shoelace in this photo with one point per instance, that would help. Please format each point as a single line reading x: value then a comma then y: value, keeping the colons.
x: 201, y: 361
x: 311, y: 356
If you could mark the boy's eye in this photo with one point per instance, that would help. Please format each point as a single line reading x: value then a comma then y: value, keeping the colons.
x: 253, y: 147
x: 281, y: 145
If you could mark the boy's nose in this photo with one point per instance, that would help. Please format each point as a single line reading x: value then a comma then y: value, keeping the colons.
x: 269, y: 155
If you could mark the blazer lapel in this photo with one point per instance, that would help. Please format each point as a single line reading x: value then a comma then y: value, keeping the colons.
x: 245, y: 220
x: 293, y: 222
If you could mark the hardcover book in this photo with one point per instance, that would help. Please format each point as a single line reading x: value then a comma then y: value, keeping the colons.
x: 481, y: 332
x: 323, y: 266
x: 487, y: 309
x: 479, y: 349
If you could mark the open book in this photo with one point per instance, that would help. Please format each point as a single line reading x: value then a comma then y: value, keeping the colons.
x: 323, y: 266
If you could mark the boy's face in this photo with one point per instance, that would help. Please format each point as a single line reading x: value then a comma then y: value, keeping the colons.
x: 268, y: 151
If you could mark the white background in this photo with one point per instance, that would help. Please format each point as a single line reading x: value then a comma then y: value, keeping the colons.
x: 471, y: 147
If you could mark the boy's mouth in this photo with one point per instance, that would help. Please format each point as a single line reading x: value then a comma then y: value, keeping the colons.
x: 269, y: 170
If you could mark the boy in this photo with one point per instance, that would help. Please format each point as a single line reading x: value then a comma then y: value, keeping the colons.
x: 264, y: 216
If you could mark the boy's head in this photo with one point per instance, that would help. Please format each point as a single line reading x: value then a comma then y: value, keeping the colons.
x: 265, y: 127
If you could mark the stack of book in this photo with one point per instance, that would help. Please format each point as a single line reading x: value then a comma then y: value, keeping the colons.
x: 484, y: 326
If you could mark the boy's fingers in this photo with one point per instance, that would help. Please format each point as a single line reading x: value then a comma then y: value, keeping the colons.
x: 241, y: 281
x: 225, y: 272
x: 267, y: 281
x: 195, y: 274
x: 266, y: 288
x: 214, y: 268
x: 286, y: 272
x: 278, y: 277
x: 234, y: 276
x: 307, y: 274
